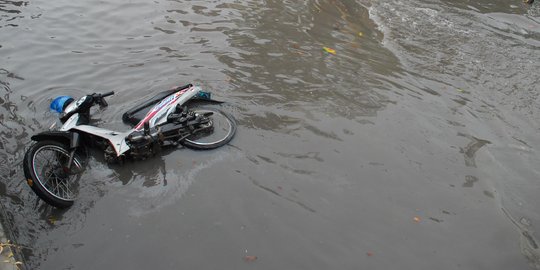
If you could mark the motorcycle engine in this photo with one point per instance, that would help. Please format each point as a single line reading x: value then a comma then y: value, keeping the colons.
x: 144, y: 143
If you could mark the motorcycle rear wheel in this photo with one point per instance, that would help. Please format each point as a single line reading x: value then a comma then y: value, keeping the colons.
x: 46, y: 173
x: 222, y: 130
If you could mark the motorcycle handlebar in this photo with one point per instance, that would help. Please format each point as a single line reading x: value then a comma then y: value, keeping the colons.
x: 99, y: 98
x: 107, y: 94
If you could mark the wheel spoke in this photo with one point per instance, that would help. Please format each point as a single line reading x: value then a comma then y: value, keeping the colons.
x: 48, y: 178
x: 64, y: 186
x: 48, y: 164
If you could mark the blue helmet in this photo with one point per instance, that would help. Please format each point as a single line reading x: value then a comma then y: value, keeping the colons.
x: 60, y: 103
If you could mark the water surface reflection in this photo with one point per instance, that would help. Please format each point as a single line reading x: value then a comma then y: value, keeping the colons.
x: 416, y: 132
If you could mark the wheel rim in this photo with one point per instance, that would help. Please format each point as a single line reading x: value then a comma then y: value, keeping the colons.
x: 48, y: 164
x: 218, y: 129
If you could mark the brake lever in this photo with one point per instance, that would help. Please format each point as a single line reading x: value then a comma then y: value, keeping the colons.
x: 103, y: 102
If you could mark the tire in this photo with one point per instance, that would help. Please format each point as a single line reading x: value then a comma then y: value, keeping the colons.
x: 220, y: 120
x: 53, y: 183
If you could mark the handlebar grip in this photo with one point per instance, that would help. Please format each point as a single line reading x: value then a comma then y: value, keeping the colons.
x: 107, y: 94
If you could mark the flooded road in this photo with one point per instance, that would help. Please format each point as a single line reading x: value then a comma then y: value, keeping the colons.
x: 414, y: 146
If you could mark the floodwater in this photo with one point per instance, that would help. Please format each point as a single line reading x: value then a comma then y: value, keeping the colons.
x: 414, y: 146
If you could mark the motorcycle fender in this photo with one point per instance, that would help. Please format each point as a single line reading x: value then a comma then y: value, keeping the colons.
x: 70, y: 138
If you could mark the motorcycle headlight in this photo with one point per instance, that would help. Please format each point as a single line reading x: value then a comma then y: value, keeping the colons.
x: 74, y: 105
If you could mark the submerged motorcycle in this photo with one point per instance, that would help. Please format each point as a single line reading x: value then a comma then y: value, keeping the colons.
x: 53, y: 164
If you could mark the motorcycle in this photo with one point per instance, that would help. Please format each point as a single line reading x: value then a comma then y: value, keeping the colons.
x: 53, y: 164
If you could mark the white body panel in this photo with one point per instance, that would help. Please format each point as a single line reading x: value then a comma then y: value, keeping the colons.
x: 156, y: 116
x: 70, y: 123
x: 117, y: 139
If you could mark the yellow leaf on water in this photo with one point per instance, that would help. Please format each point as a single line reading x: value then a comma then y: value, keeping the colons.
x: 360, y: 34
x: 52, y: 220
x: 329, y: 50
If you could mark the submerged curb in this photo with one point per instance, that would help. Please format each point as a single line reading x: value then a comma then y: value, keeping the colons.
x: 7, y: 260
x: 8, y: 254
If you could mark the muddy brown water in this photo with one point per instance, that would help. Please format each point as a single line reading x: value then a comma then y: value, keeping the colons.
x: 414, y: 146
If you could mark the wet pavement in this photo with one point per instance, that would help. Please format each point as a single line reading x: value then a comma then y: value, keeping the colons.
x: 371, y: 134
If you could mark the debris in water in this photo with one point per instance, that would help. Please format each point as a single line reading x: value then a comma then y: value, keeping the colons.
x: 469, y: 151
x: 250, y: 258
x: 360, y: 34
x: 436, y: 219
x: 369, y: 253
x: 329, y: 50
x: 416, y: 219
x: 469, y: 181
x: 489, y: 194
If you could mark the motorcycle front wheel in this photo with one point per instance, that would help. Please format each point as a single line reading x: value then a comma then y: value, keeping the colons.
x: 216, y: 132
x: 46, y: 171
